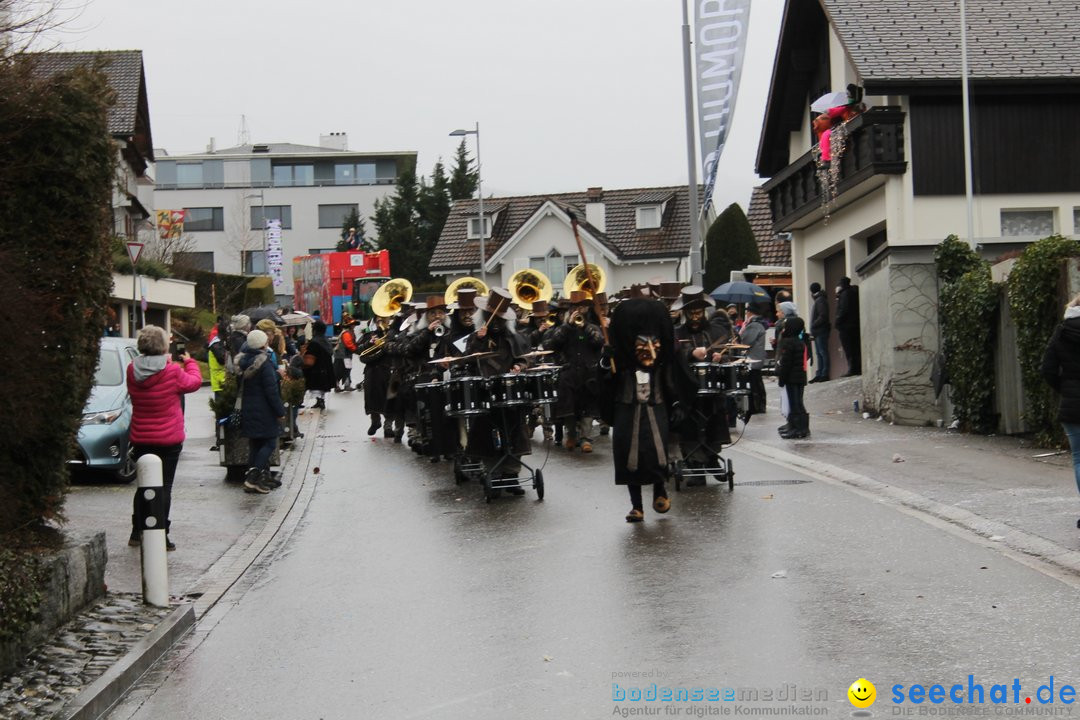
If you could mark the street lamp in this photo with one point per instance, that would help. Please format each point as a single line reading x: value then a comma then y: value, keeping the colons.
x: 479, y: 194
x: 262, y: 216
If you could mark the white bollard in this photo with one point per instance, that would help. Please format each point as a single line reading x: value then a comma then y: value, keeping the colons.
x: 155, y: 568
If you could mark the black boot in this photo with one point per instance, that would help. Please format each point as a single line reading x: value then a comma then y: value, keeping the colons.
x: 252, y: 482
x: 376, y: 423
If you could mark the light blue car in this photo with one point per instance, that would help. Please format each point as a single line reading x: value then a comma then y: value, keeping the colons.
x: 103, y: 438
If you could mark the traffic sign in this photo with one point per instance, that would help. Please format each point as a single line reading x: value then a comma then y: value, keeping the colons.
x: 134, y: 250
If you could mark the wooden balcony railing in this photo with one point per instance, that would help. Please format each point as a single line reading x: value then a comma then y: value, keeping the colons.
x: 875, y: 146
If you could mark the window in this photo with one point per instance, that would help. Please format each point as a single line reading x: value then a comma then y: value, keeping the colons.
x: 194, y: 260
x: 189, y: 175
x: 272, y: 212
x: 1027, y: 223
x: 354, y: 174
x: 254, y: 262
x: 204, y: 219
x: 648, y: 217
x: 1076, y: 221
x: 333, y: 216
x: 294, y: 175
x: 554, y: 265
x: 474, y: 227
x: 320, y: 251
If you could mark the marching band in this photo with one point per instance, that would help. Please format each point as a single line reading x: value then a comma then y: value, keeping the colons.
x: 467, y: 376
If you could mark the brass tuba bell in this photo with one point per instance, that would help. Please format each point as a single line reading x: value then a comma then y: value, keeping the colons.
x: 578, y: 279
x: 464, y: 282
x: 528, y: 285
x: 387, y: 300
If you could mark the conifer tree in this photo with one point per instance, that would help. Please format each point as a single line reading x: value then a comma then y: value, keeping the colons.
x: 730, y: 245
x: 463, y: 178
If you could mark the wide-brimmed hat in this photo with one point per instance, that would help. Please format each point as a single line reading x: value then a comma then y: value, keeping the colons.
x: 638, y: 291
x: 498, y: 302
x: 540, y: 308
x: 580, y: 297
x: 435, y: 301
x: 692, y: 296
x: 466, y: 300
x: 670, y: 290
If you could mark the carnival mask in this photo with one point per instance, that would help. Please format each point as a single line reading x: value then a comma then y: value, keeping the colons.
x: 646, y: 350
x: 695, y: 317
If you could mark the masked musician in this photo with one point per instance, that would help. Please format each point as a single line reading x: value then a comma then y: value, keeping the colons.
x: 497, y: 334
x: 642, y: 347
x: 462, y: 324
x: 372, y: 353
x: 699, y: 338
x: 579, y: 342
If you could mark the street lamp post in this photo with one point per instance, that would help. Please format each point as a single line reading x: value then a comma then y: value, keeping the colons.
x: 262, y: 216
x: 480, y: 195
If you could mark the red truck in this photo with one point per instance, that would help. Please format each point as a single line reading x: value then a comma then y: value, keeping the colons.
x: 334, y: 282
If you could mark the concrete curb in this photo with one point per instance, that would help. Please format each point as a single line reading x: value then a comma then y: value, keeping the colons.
x: 96, y: 700
x: 992, y: 531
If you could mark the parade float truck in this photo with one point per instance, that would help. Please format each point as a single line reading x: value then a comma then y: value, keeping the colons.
x: 337, y: 282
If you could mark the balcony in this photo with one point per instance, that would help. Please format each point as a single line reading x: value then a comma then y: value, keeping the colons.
x: 875, y: 147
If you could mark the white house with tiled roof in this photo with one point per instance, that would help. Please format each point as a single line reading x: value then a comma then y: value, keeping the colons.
x: 634, y: 235
x: 897, y: 189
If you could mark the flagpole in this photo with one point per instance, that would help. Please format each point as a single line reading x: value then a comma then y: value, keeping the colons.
x: 691, y: 154
x: 967, y: 127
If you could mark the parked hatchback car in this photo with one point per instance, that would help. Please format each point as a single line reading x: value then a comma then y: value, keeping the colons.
x: 103, y: 438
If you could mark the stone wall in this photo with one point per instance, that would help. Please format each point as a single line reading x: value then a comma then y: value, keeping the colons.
x: 74, y: 577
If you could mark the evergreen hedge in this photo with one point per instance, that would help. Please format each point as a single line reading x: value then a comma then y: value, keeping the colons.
x: 1037, y: 295
x: 55, y: 275
x: 729, y: 245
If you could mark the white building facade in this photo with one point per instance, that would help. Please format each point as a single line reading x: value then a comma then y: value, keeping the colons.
x: 227, y: 194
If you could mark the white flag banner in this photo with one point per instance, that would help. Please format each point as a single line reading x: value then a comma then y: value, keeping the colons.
x: 720, y: 28
x: 274, y: 256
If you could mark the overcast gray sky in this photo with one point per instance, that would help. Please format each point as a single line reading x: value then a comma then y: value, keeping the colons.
x: 568, y: 93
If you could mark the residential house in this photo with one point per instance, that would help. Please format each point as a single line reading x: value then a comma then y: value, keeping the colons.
x: 633, y: 235
x: 228, y: 193
x: 897, y: 189
x: 132, y: 201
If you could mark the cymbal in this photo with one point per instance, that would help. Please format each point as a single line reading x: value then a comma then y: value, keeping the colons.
x: 458, y: 358
x: 736, y: 346
x: 544, y: 367
x: 535, y: 353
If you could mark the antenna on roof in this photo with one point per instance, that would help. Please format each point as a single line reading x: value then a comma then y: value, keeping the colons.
x: 243, y: 136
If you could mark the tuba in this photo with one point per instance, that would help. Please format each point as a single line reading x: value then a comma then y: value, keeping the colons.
x: 527, y: 286
x: 387, y: 299
x: 464, y: 282
x: 590, y: 283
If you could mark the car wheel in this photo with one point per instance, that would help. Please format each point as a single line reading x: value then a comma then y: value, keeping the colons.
x: 127, y: 473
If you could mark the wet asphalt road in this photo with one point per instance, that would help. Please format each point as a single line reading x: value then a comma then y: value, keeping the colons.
x: 402, y: 595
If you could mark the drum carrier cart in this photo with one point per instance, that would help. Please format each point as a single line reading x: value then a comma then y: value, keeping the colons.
x: 717, y: 383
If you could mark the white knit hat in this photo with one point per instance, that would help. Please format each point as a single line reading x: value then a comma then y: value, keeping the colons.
x: 256, y: 340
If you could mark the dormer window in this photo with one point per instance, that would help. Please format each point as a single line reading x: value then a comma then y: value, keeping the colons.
x: 474, y: 227
x: 648, y: 217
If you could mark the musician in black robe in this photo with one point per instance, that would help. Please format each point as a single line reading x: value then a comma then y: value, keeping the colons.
x: 699, y: 338
x: 496, y: 334
x: 578, y: 342
x: 372, y: 352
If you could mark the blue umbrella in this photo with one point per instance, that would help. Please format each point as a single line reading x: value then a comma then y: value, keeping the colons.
x: 740, y: 291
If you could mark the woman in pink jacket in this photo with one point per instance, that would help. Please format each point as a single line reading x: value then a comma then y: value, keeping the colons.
x: 156, y: 387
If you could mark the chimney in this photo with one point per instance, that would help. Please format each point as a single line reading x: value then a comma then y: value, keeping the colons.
x: 210, y: 148
x: 334, y: 141
x: 595, y: 213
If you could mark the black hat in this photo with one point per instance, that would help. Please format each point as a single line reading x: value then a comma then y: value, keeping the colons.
x: 815, y: 287
x: 693, y: 296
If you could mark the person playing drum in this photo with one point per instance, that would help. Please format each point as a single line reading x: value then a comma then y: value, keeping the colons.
x: 497, y: 335
x: 699, y: 338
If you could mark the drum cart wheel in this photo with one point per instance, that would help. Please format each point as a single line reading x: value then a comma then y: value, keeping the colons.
x: 730, y: 475
x: 538, y: 483
x: 678, y: 475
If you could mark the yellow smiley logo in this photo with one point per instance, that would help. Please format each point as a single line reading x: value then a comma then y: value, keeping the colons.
x: 862, y: 693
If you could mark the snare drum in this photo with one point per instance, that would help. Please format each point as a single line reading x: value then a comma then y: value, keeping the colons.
x: 430, y: 397
x: 736, y: 378
x: 544, y: 385
x: 510, y: 390
x: 709, y: 377
x: 466, y: 396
